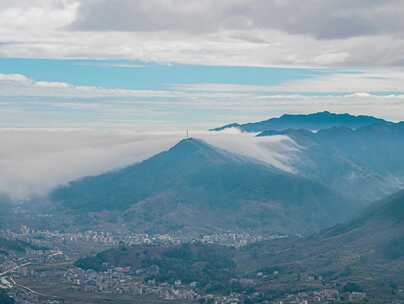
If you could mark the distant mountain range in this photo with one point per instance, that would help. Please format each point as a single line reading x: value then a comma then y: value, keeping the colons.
x: 364, y: 163
x: 315, y: 121
x: 195, y: 186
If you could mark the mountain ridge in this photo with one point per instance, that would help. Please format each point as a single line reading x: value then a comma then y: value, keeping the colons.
x: 365, y: 162
x: 313, y: 121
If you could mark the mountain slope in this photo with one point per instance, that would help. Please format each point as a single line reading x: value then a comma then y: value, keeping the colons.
x: 368, y: 250
x: 197, y: 186
x: 315, y: 121
x: 366, y: 162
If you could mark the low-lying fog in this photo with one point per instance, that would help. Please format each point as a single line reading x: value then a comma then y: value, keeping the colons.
x: 33, y: 161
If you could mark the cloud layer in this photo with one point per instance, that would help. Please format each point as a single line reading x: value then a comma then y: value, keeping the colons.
x: 34, y: 161
x: 332, y: 19
x: 230, y: 32
x: 25, y: 102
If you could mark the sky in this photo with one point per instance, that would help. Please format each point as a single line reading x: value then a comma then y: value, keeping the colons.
x: 167, y: 64
x: 77, y: 74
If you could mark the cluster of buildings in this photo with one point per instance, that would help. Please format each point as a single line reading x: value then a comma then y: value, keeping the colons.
x: 236, y: 239
x: 75, y: 243
x: 126, y: 281
x: 46, y: 237
x: 326, y: 295
x: 233, y: 298
x: 58, y: 248
x: 118, y: 281
x: 109, y: 238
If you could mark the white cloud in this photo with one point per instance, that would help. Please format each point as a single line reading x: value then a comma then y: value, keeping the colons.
x: 367, y: 80
x: 34, y: 161
x: 242, y: 32
x: 321, y: 19
x: 52, y: 84
x: 375, y: 80
x: 361, y: 94
x: 21, y: 85
x: 277, y: 151
x: 331, y: 58
x: 13, y: 78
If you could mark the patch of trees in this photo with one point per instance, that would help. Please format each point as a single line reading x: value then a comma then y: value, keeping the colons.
x: 4, y: 298
x: 209, y: 265
x: 352, y: 287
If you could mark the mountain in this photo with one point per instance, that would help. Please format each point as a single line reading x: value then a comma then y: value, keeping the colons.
x: 368, y: 251
x: 315, y: 121
x: 195, y: 186
x: 365, y: 163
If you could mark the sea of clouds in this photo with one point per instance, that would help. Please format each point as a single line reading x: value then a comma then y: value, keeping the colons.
x: 35, y: 161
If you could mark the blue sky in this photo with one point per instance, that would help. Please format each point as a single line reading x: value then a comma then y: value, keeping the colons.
x: 196, y: 63
x: 127, y: 74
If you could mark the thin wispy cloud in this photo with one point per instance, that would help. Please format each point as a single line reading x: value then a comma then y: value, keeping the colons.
x: 27, y: 102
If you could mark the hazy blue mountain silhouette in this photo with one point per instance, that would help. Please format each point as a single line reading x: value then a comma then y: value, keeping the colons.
x: 314, y: 121
x: 365, y: 163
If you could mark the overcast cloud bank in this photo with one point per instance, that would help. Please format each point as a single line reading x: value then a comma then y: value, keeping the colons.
x: 243, y: 32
